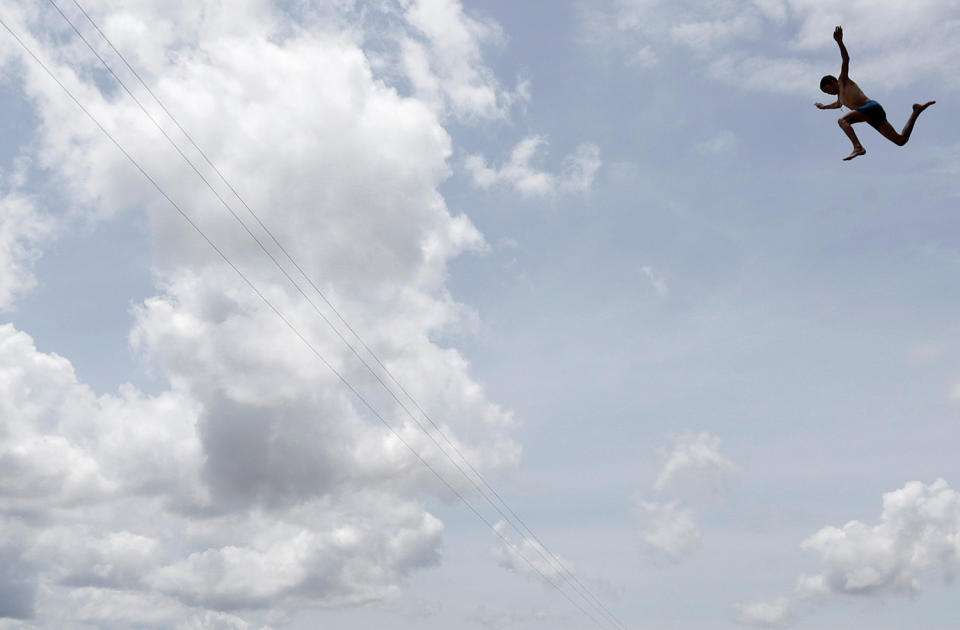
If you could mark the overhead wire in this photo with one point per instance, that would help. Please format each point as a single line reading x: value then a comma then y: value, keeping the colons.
x: 553, y: 560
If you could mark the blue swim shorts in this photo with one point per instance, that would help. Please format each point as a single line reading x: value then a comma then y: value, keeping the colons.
x: 874, y: 112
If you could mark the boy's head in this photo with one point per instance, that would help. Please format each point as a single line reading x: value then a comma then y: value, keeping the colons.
x: 830, y: 85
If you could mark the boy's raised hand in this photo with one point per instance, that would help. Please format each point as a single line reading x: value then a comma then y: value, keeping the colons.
x: 838, y: 34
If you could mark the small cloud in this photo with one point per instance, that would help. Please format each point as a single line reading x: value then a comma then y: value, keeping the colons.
x: 528, y: 557
x: 766, y: 614
x: 643, y: 57
x: 672, y: 532
x: 579, y: 170
x: 23, y: 229
x: 724, y: 142
x: 658, y: 281
x: 918, y: 531
x: 693, y: 453
x: 812, y: 586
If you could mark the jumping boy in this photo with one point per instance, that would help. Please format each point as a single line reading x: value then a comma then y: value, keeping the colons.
x: 864, y: 109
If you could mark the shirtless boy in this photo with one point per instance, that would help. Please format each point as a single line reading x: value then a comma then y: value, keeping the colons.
x: 864, y: 109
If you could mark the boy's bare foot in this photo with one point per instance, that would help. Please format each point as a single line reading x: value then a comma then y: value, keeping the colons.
x: 917, y: 107
x: 856, y: 153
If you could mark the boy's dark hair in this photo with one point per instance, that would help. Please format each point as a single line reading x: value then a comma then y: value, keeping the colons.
x: 827, y: 80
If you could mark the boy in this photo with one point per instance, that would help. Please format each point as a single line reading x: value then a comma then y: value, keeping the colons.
x: 864, y: 109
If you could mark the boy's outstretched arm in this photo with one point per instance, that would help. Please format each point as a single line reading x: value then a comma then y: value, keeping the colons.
x: 835, y: 105
x: 844, y: 56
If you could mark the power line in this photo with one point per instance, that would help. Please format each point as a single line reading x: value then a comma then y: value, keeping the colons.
x: 293, y: 328
x: 542, y: 550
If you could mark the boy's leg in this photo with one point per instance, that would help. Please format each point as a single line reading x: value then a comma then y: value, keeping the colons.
x: 901, y: 138
x: 846, y: 123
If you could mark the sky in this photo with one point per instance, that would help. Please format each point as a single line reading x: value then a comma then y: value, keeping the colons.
x: 604, y: 254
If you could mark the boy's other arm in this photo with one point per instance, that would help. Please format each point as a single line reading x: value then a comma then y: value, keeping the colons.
x: 844, y: 56
x: 830, y: 106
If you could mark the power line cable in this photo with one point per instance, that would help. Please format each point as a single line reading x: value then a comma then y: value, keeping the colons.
x: 542, y: 550
x: 290, y: 325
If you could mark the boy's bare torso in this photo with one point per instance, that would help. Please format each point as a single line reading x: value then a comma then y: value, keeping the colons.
x: 850, y: 93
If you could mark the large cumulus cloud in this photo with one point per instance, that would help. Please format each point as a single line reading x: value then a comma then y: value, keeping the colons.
x: 256, y: 481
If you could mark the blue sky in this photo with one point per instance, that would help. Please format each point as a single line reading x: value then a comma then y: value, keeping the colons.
x: 611, y: 247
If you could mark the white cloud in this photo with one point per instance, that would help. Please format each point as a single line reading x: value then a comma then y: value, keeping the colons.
x: 353, y: 561
x: 528, y: 557
x: 114, y: 559
x: 214, y: 621
x: 23, y: 230
x: 693, y: 453
x: 580, y: 169
x: 112, y: 607
x: 723, y: 142
x: 671, y: 529
x: 578, y: 173
x: 766, y: 45
x: 18, y: 584
x: 919, y: 530
x: 770, y: 614
x: 255, y: 481
x: 658, y: 282
x: 71, y: 468
x: 443, y: 58
x: 708, y: 35
x: 812, y: 586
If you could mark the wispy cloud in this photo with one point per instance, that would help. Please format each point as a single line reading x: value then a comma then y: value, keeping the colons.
x: 23, y: 231
x: 658, y: 282
x: 723, y: 142
x: 528, y: 557
x: 693, y: 454
x: 772, y: 614
x: 443, y: 58
x: 779, y: 45
x: 519, y: 172
x: 671, y: 530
